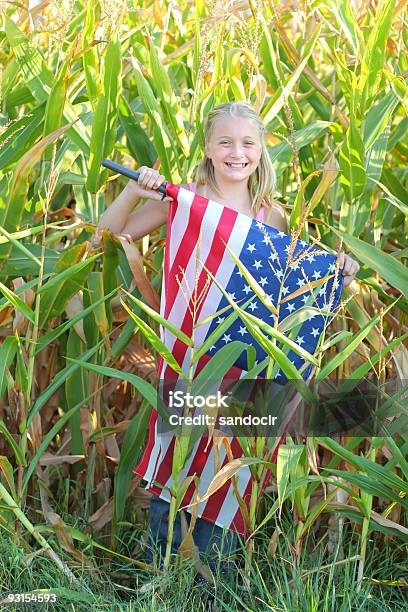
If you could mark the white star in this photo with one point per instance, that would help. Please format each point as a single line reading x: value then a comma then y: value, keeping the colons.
x: 213, y: 347
x: 281, y: 234
x: 263, y: 281
x: 295, y: 266
x: 305, y: 298
x: 303, y: 243
x: 287, y: 247
x: 310, y: 258
x: 266, y: 240
x: 252, y: 306
x: 239, y: 273
x: 301, y: 282
x: 279, y: 273
x: 220, y: 320
x: 315, y: 332
x: 312, y: 316
x: 257, y: 264
x: 260, y: 225
x: 232, y: 296
x: 300, y: 340
x: 242, y: 331
x: 316, y: 274
x: 290, y: 307
x: 285, y: 290
x: 247, y: 289
x: 273, y: 256
x: 322, y: 291
x: 332, y: 268
x: 226, y: 338
x: 251, y: 248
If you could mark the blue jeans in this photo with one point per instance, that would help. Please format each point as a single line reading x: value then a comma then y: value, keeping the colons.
x: 212, y: 541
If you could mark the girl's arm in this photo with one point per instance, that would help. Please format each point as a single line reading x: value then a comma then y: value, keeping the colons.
x: 119, y: 219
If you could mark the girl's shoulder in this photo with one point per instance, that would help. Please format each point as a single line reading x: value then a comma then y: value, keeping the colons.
x: 189, y: 186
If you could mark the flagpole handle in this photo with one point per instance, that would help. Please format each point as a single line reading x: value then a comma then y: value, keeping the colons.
x: 132, y: 174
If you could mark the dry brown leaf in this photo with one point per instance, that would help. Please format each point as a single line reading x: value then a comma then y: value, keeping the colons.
x: 136, y: 265
x: 273, y: 542
x: 188, y: 548
x: 49, y: 459
x: 73, y: 307
x: 388, y: 523
x: 65, y: 539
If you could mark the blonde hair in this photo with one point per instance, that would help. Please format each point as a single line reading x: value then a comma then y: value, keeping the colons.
x: 262, y: 182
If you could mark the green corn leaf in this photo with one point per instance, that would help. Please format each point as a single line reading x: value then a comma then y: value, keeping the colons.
x: 56, y: 383
x: 55, y: 281
x: 155, y: 341
x: 20, y: 137
x: 55, y: 333
x: 90, y: 55
x: 39, y: 80
x: 139, y: 144
x: 18, y: 264
x: 54, y: 110
x: 276, y: 103
x: 359, y: 373
x: 352, y: 163
x: 216, y: 368
x: 374, y: 55
x: 8, y: 351
x: 148, y: 391
x: 96, y: 294
x: 168, y: 99
x: 338, y: 359
x: 221, y: 328
x: 286, y: 467
x: 161, y: 139
x: 71, y: 274
x: 391, y: 198
x: 13, y: 239
x: 130, y: 449
x: 17, y: 302
x: 13, y: 444
x: 76, y: 391
x: 103, y: 127
x: 378, y: 118
x: 388, y: 267
x: 160, y: 320
x: 343, y: 11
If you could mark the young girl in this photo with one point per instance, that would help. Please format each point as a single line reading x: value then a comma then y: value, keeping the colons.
x: 236, y: 172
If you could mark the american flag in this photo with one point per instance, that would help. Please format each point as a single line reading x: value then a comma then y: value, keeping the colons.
x: 289, y: 271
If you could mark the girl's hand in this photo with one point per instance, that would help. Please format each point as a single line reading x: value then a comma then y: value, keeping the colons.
x: 350, y: 268
x: 148, y: 181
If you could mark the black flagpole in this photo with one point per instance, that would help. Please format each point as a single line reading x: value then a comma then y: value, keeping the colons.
x: 132, y: 174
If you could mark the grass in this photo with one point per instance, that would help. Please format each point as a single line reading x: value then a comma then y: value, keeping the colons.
x: 316, y: 581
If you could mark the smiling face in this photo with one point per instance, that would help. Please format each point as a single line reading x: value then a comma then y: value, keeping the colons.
x: 234, y: 148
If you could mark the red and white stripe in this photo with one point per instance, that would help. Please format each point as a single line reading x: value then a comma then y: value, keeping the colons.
x: 217, y: 223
